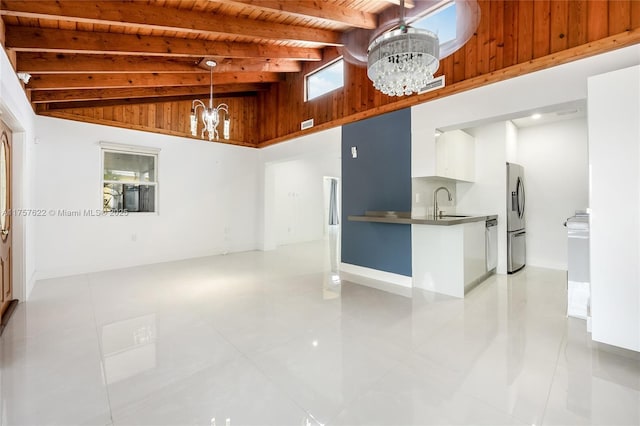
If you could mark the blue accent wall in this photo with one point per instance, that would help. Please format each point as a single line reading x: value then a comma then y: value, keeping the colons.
x: 378, y: 179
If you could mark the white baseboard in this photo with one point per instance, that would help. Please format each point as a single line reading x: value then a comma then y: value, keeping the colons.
x: 68, y: 271
x: 374, y: 274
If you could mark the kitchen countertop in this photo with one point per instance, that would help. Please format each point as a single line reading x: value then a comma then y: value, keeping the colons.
x: 405, y: 218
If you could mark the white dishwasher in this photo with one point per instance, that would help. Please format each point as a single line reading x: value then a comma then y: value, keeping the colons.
x: 491, y: 241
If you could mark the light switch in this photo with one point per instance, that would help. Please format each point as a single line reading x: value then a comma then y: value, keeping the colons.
x: 354, y: 152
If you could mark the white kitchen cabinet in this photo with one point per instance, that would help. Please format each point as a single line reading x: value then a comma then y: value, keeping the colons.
x: 451, y: 155
x: 455, y: 156
x: 448, y: 259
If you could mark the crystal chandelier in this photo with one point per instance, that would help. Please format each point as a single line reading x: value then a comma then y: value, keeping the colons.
x: 403, y: 61
x: 211, y: 116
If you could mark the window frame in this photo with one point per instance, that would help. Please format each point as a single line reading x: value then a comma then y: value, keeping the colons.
x: 132, y: 150
x: 323, y: 67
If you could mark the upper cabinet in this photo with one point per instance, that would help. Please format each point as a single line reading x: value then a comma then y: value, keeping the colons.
x: 450, y: 155
x: 455, y: 156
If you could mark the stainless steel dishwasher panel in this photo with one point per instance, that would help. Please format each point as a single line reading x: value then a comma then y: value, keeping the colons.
x: 491, y: 242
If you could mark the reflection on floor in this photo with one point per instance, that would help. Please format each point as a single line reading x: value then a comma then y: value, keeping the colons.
x: 276, y: 339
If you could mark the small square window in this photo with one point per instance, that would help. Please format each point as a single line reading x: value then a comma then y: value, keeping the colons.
x: 129, y: 181
x: 328, y: 78
x: 442, y: 22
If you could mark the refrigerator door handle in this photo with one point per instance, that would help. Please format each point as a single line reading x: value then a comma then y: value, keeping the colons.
x: 520, y: 198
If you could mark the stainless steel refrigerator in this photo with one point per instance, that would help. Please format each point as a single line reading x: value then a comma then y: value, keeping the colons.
x: 516, y: 230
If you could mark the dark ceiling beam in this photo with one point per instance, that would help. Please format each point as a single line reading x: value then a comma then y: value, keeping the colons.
x: 96, y: 81
x: 76, y: 95
x: 137, y: 101
x: 135, y: 15
x: 317, y: 10
x: 63, y: 63
x: 27, y: 39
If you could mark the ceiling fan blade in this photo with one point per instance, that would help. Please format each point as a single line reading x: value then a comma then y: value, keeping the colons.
x: 356, y: 42
x: 467, y: 20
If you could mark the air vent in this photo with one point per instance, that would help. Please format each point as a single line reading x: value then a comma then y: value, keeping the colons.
x: 307, y: 124
x: 436, y: 83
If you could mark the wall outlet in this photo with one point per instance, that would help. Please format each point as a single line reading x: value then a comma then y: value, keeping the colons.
x: 417, y: 197
x: 134, y: 237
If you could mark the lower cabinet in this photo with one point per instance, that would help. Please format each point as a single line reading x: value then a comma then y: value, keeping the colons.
x: 448, y: 259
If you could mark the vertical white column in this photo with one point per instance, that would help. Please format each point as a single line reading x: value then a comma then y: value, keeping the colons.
x: 614, y: 157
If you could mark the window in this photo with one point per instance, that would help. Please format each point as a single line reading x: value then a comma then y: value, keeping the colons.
x: 328, y: 78
x: 442, y: 21
x: 129, y: 179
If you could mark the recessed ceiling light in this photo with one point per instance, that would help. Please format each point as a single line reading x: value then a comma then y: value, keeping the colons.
x: 536, y: 116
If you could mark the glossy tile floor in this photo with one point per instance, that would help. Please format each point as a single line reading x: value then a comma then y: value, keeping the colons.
x: 276, y: 339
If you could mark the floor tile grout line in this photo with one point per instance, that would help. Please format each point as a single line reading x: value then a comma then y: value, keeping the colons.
x: 100, y: 348
x: 416, y: 352
x: 471, y: 395
x: 276, y: 385
x: 286, y: 394
x: 282, y: 391
x: 555, y: 372
x: 364, y: 392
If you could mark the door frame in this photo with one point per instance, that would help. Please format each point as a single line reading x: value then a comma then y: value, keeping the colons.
x: 6, y: 239
x: 326, y: 195
x: 19, y: 177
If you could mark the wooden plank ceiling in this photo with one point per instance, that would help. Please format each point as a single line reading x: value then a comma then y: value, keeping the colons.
x: 134, y: 64
x: 105, y: 52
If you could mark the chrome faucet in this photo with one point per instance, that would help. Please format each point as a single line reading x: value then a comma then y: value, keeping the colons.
x: 435, y: 200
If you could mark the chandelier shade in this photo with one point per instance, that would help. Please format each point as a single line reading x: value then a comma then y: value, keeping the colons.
x: 210, y: 116
x: 402, y: 61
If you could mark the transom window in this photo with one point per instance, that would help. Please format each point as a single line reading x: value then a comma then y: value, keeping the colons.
x: 324, y: 80
x: 129, y: 180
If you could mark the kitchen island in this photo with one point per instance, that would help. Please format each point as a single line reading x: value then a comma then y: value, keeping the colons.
x: 448, y: 252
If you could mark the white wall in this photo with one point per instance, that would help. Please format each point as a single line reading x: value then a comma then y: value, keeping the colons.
x: 556, y: 167
x: 511, y: 142
x: 614, y: 158
x: 207, y: 200
x: 16, y: 112
x: 487, y: 195
x: 299, y: 197
x: 292, y: 196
